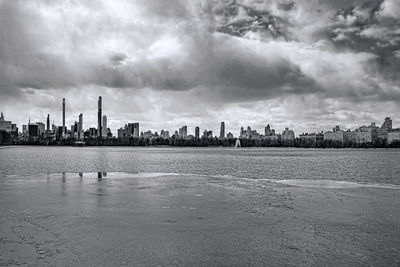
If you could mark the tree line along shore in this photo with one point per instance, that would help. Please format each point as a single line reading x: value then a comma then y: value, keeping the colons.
x: 6, y: 139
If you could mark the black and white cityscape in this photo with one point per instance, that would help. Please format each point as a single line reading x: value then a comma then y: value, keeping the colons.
x: 45, y: 133
x: 199, y: 133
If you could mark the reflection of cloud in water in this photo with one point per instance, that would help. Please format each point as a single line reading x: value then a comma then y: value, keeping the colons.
x: 331, y: 184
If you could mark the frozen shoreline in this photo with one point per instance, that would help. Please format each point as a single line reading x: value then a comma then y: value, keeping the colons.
x: 141, y: 219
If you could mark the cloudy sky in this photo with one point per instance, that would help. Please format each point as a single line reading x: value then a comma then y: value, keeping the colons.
x: 305, y: 64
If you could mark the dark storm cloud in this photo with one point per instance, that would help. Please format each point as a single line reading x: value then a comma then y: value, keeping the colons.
x: 210, y: 52
x: 201, y: 59
x: 183, y: 55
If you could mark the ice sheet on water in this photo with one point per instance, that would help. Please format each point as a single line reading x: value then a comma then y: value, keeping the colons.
x: 312, y: 183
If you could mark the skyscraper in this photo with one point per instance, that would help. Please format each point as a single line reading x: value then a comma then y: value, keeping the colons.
x: 80, y: 126
x: 48, y: 124
x: 104, y: 126
x: 197, y: 132
x: 63, y: 118
x: 99, y: 117
x: 222, y: 132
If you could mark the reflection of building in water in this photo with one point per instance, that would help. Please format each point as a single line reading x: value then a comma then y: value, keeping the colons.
x: 81, y: 174
x: 99, y: 175
x: 104, y: 174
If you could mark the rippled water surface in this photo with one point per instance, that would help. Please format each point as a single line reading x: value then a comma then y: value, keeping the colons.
x: 352, y: 165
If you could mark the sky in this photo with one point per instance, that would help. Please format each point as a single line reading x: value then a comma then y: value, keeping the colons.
x: 307, y: 64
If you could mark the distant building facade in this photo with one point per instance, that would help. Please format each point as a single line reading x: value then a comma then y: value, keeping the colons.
x: 99, y: 116
x: 384, y: 129
x: 5, y: 125
x: 340, y: 136
x: 311, y: 139
x: 207, y: 134
x: 222, y: 131
x: 393, y: 136
x: 268, y: 131
x: 366, y: 134
x: 287, y: 136
x: 33, y: 130
x: 164, y: 134
x: 183, y: 132
x: 249, y: 133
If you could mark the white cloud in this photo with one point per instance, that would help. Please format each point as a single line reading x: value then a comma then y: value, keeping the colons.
x: 390, y: 9
x: 380, y: 32
x: 166, y: 67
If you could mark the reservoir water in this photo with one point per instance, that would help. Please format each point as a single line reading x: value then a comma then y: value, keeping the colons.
x: 354, y: 165
x: 148, y: 206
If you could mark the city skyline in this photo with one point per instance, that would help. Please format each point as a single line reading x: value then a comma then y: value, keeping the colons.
x: 300, y: 65
x: 101, y: 118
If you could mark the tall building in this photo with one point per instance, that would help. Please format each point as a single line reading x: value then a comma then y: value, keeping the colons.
x: 5, y: 125
x: 183, y: 132
x: 80, y: 127
x: 99, y: 117
x: 269, y: 131
x: 24, y: 129
x: 222, y: 131
x: 387, y: 124
x: 63, y: 117
x: 197, y: 132
x: 48, y: 124
x: 129, y: 129
x: 33, y: 130
x: 104, y: 126
x: 41, y: 128
x: 136, y: 129
x: 14, y: 128
x: 385, y: 128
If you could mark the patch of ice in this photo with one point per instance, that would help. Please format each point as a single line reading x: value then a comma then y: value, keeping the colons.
x: 332, y: 184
